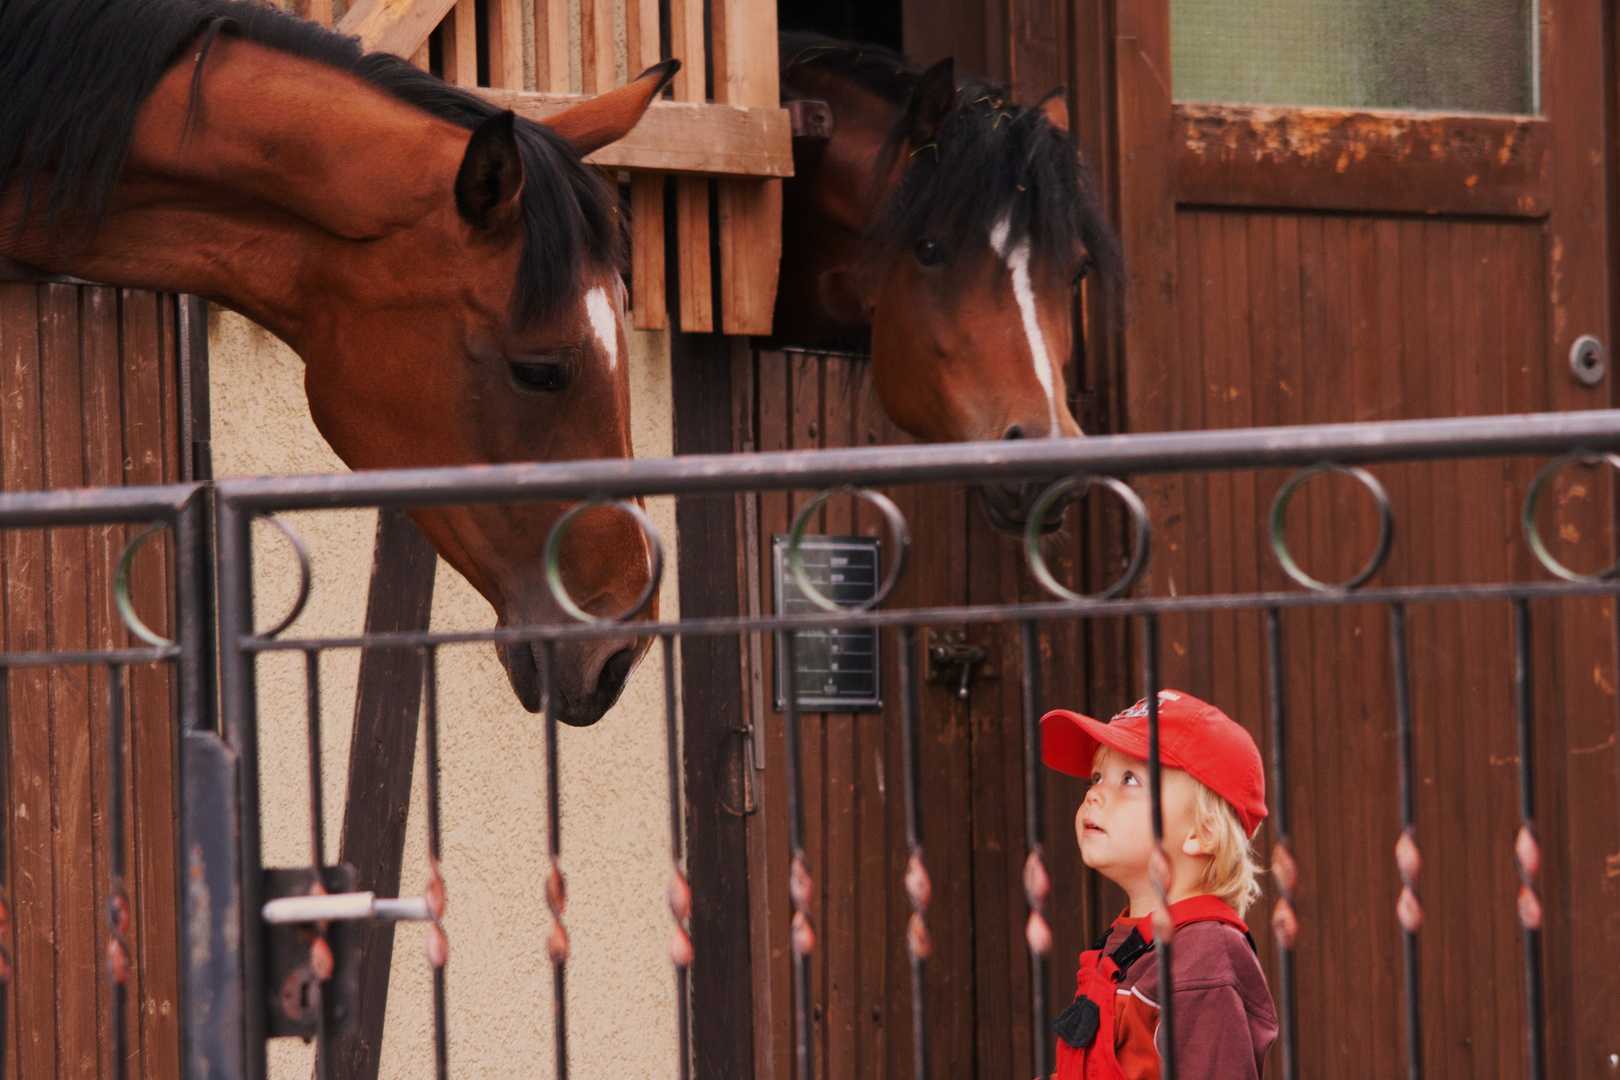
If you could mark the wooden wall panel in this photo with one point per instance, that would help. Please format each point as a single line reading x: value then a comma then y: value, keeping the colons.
x: 1301, y: 318
x: 87, y: 397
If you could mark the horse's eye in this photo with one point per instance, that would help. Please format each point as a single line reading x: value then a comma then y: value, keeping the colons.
x: 548, y: 377
x: 928, y: 253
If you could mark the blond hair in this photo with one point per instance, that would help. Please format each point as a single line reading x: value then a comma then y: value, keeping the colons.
x: 1233, y: 872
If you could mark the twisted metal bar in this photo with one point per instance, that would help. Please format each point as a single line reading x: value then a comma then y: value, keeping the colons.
x: 1159, y: 862
x: 118, y: 916
x: 919, y: 888
x: 898, y: 530
x: 680, y: 893
x: 1284, y: 871
x: 1408, y: 857
x: 556, y: 884
x: 1526, y: 848
x: 1141, y: 524
x: 801, y: 886
x: 1279, y: 519
x: 438, y: 942
x: 1037, y: 883
x: 553, y: 560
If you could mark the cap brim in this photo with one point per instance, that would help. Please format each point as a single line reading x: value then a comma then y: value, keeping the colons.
x: 1069, y: 741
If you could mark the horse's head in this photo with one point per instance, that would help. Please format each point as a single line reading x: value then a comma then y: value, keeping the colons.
x: 978, y: 222
x: 502, y: 339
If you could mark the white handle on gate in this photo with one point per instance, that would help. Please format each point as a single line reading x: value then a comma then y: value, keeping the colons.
x: 341, y: 907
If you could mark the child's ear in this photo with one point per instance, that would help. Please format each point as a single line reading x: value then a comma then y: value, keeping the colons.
x: 1196, y: 845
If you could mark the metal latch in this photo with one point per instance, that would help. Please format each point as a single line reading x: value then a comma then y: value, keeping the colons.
x: 952, y: 660
x: 312, y: 964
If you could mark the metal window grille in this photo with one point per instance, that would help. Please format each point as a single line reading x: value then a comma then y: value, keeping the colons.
x: 228, y: 992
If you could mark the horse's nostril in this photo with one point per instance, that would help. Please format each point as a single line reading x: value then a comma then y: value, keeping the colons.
x: 610, y: 683
x: 1014, y: 432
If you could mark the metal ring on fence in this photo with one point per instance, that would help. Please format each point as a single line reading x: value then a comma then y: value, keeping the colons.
x: 1532, y: 533
x: 553, y: 560
x: 1036, y: 520
x: 303, y: 574
x: 1279, y: 517
x: 126, y: 607
x: 897, y: 529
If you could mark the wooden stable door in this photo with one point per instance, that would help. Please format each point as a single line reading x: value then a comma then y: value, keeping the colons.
x: 88, y: 397
x: 972, y: 790
x: 1412, y: 223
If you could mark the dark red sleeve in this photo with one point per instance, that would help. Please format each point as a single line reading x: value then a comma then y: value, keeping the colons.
x: 1214, y: 1040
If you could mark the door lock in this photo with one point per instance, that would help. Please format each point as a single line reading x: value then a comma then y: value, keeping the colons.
x: 952, y: 660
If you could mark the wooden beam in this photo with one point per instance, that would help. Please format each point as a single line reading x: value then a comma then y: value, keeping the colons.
x: 551, y: 46
x: 382, y: 751
x: 1362, y: 160
x: 682, y: 137
x: 745, y: 74
x: 396, y: 26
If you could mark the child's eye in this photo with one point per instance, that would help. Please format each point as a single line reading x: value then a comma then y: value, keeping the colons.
x: 1130, y: 780
x: 1096, y: 778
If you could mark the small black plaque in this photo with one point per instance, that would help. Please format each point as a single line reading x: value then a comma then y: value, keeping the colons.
x: 838, y: 670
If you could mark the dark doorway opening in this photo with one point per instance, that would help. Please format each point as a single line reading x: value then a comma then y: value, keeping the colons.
x: 877, y: 21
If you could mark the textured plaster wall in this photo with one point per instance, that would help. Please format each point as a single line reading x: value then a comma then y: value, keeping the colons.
x: 614, y: 788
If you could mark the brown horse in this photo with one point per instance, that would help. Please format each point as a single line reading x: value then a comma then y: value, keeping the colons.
x: 449, y: 273
x: 953, y: 225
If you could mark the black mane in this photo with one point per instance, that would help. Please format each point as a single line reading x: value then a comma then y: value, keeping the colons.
x: 74, y: 74
x: 991, y: 157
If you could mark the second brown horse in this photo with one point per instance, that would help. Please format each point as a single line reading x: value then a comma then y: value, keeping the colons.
x: 955, y: 226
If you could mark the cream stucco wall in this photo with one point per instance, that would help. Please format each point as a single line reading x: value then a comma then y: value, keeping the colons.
x: 614, y: 788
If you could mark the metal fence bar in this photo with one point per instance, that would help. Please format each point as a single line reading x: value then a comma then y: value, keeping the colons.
x: 801, y: 886
x: 919, y: 887
x: 680, y: 892
x: 949, y: 463
x: 1526, y: 848
x: 1284, y: 871
x: 118, y: 956
x: 1037, y: 882
x: 317, y: 815
x: 438, y: 944
x: 1408, y: 857
x: 1159, y: 863
x: 556, y: 884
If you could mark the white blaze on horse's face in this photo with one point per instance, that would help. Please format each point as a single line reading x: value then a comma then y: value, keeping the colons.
x: 1017, y: 261
x: 604, y: 317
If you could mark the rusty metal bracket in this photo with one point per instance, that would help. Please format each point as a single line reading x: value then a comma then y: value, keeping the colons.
x: 811, y: 119
x: 952, y: 659
x: 296, y: 996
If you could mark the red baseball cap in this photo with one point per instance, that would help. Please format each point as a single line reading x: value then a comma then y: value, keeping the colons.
x: 1194, y: 736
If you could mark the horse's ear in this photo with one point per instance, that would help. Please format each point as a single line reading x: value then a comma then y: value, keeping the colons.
x: 607, y: 118
x: 932, y: 100
x: 490, y: 180
x: 1056, y: 109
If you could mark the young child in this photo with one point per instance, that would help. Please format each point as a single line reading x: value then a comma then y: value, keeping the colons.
x: 1214, y: 797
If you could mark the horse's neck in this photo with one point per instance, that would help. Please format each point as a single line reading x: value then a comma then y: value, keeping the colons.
x: 286, y: 163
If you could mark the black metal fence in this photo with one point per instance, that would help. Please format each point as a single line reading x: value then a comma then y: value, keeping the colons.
x: 273, y: 973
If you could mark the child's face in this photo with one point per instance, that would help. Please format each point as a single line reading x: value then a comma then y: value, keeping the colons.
x: 1115, y: 823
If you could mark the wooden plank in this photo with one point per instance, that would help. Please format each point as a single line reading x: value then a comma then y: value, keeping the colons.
x: 693, y: 268
x: 681, y: 137
x: 717, y: 852
x: 69, y: 721
x: 461, y: 44
x: 33, y: 998
x: 397, y: 26
x: 382, y: 752
x: 551, y: 47
x: 648, y: 305
x: 150, y: 426
x: 505, y: 24
x: 101, y: 379
x: 1362, y: 159
x: 596, y: 67
x: 750, y: 253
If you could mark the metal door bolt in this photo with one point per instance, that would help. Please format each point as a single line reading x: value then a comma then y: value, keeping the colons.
x: 1588, y: 362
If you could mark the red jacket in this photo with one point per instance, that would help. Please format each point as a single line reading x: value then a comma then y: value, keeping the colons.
x: 1224, y: 1018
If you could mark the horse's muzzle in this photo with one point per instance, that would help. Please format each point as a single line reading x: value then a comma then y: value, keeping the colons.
x: 1007, y: 505
x: 587, y: 677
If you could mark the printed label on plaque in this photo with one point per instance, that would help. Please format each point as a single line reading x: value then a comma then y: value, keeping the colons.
x: 838, y: 670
